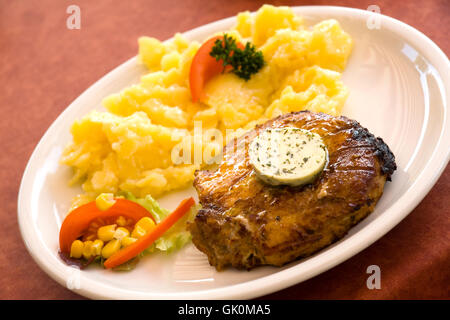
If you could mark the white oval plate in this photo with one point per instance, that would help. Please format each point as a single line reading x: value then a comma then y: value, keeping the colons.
x: 399, y: 84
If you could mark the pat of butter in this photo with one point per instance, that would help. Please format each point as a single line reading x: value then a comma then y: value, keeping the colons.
x: 288, y: 156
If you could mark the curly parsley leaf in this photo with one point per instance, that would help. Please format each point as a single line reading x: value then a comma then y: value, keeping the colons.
x: 244, y: 62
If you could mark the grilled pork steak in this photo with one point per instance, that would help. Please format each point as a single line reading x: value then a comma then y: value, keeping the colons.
x: 245, y: 222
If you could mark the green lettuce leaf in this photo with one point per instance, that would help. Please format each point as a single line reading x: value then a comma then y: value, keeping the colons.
x: 177, y: 236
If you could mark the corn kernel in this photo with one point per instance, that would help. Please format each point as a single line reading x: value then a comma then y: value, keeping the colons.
x: 97, y: 247
x: 87, y: 250
x: 76, y: 250
x: 90, y: 237
x: 106, y: 233
x: 146, y: 223
x: 127, y: 241
x: 121, y: 221
x: 138, y: 232
x: 105, y: 201
x: 121, y: 233
x: 110, y: 248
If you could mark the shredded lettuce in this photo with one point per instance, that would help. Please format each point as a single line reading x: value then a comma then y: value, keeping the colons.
x: 150, y: 204
x: 177, y: 236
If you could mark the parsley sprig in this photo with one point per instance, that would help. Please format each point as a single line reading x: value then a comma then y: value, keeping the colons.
x: 245, y: 62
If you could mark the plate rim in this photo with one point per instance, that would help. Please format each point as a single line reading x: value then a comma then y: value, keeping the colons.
x: 283, y: 278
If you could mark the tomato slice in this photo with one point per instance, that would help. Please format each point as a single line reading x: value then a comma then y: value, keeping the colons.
x: 204, y: 67
x: 79, y: 219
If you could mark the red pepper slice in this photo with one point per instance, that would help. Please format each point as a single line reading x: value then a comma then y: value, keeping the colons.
x: 79, y: 219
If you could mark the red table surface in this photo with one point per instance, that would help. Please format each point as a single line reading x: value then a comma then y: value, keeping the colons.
x: 44, y: 67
